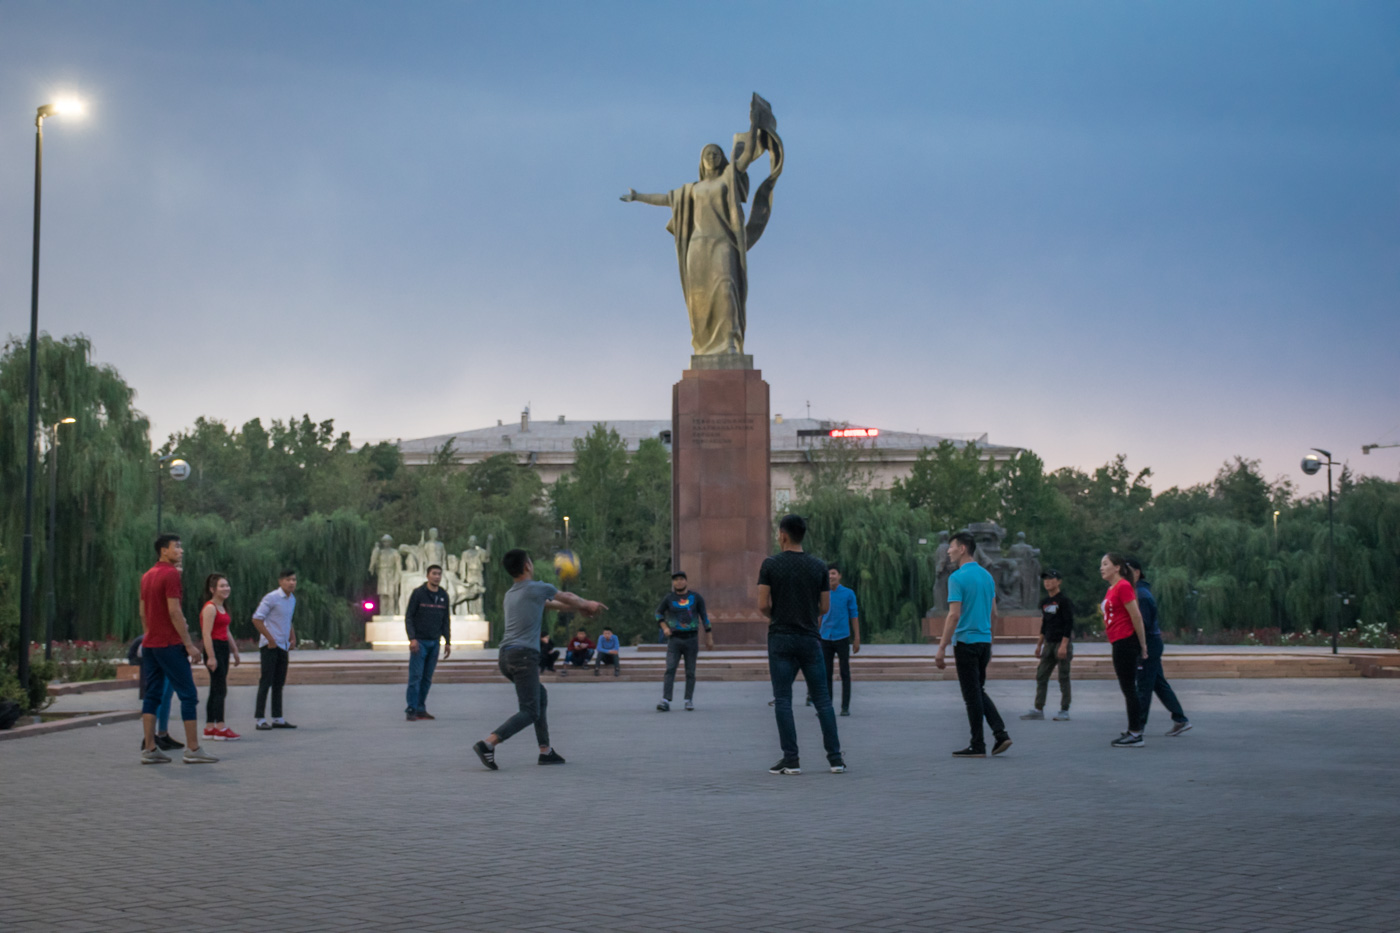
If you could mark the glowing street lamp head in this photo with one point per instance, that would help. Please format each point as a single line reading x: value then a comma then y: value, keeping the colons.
x: 69, y: 421
x: 64, y: 106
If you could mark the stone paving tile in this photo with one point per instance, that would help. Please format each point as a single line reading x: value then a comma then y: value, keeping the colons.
x: 1276, y: 813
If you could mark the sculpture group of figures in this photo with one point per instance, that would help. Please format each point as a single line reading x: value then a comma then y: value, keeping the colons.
x: 1017, y: 572
x: 399, y: 571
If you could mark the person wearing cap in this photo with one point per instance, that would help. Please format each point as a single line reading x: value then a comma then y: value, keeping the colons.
x: 1150, y: 678
x: 1055, y: 647
x: 680, y: 615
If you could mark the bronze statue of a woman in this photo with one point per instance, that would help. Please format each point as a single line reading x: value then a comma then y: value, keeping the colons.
x: 712, y: 237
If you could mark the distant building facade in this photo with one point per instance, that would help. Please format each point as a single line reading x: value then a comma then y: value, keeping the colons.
x: 547, y: 447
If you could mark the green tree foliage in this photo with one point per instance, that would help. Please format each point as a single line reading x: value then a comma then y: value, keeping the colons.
x: 619, y: 509
x: 104, y: 485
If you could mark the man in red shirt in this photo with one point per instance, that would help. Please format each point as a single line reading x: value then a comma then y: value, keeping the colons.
x: 167, y: 651
x: 580, y: 650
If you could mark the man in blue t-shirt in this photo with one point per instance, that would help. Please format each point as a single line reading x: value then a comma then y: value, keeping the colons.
x: 972, y: 603
x: 840, y: 633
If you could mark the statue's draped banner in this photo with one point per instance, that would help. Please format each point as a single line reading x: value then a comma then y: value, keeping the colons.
x: 712, y: 239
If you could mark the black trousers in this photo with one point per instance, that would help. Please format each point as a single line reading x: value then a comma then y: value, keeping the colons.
x: 831, y: 650
x: 273, y: 676
x: 971, y: 660
x: 218, y: 684
x: 547, y: 660
x: 1127, y: 661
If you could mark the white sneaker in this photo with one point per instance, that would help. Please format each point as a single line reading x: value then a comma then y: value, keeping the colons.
x: 1033, y: 714
x: 198, y: 756
x: 690, y: 706
x: 1062, y: 716
x: 154, y: 757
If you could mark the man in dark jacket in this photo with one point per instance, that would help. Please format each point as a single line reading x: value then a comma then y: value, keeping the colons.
x: 1150, y: 678
x: 428, y: 621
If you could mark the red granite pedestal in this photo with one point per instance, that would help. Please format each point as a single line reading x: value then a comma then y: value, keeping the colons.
x: 721, y: 521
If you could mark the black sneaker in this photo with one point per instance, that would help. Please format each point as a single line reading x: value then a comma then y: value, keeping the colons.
x: 282, y: 724
x: 263, y: 727
x: 1128, y: 740
x: 1002, y: 745
x: 166, y: 744
x: 845, y: 712
x: 487, y: 754
x: 786, y: 766
x: 838, y: 766
x: 596, y: 670
x: 553, y: 758
x: 971, y: 751
x: 411, y: 717
x: 422, y: 714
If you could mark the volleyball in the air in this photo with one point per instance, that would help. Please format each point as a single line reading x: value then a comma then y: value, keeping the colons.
x: 566, y: 565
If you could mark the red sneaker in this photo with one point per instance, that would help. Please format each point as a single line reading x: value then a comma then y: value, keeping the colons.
x: 211, y: 733
x: 228, y: 735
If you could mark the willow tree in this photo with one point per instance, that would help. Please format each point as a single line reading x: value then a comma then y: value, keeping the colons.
x: 104, y: 528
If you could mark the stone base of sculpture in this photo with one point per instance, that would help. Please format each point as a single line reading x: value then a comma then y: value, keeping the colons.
x: 1014, y: 626
x: 722, y: 361
x: 722, y: 519
x: 386, y: 633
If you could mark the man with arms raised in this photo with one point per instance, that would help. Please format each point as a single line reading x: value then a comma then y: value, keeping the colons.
x: 167, y: 651
x: 972, y: 603
x: 525, y: 603
x: 792, y: 593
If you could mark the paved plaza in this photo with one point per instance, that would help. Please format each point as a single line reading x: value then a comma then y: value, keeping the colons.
x: 1280, y: 811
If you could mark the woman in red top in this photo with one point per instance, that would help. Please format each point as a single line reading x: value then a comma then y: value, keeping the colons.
x: 1125, y: 633
x: 214, y: 620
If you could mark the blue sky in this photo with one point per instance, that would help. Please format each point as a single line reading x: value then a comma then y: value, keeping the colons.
x: 1170, y: 230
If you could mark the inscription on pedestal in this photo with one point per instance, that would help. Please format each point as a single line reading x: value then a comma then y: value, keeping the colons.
x: 709, y: 431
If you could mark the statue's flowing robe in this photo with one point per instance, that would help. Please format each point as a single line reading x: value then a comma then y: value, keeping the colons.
x: 712, y: 239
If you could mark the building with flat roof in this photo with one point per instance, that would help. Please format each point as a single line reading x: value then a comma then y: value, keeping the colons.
x: 548, y: 447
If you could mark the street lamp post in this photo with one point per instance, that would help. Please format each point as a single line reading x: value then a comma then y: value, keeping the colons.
x: 1311, y: 464
x: 1278, y: 569
x: 49, y: 600
x: 26, y: 600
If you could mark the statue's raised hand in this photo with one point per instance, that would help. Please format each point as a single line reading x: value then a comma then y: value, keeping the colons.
x: 631, y: 195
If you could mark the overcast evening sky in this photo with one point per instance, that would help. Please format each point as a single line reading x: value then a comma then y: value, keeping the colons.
x: 1169, y: 230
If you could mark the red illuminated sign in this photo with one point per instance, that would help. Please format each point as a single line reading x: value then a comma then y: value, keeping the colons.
x: 854, y: 432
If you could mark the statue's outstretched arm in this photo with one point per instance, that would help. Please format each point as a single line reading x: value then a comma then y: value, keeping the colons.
x: 660, y: 200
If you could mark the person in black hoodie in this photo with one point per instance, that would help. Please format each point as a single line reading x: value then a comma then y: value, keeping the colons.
x: 429, y: 622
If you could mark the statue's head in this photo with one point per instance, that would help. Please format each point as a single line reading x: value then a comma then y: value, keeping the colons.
x: 712, y: 162
x: 432, y: 534
x: 386, y: 541
x: 471, y: 541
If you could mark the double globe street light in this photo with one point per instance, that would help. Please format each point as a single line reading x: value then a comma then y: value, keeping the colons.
x: 65, y: 107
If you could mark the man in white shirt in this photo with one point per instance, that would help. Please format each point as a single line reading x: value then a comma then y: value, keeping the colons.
x: 273, y: 620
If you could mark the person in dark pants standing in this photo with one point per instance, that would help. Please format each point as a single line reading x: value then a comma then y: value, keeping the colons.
x: 525, y: 603
x: 276, y: 638
x: 1123, y: 626
x: 1055, y: 648
x: 214, y: 621
x: 972, y: 604
x: 680, y: 616
x: 793, y: 592
x: 840, y: 634
x: 429, y: 623
x: 1150, y: 678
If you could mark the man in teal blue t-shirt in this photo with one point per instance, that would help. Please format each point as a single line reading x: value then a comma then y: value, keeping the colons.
x: 840, y: 633
x: 972, y: 602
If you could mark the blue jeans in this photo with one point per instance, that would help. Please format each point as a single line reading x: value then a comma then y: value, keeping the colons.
x: 168, y: 665
x: 421, y: 664
x: 163, y: 714
x: 1150, y: 680
x: 788, y: 654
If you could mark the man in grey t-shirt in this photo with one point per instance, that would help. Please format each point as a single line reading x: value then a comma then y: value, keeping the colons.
x: 525, y: 603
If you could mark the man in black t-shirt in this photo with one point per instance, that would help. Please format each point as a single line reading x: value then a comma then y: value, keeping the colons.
x: 793, y: 594
x: 1055, y: 647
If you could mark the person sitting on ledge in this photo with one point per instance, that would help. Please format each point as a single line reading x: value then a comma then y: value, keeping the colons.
x: 580, y: 649
x: 548, y: 653
x: 608, y: 649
